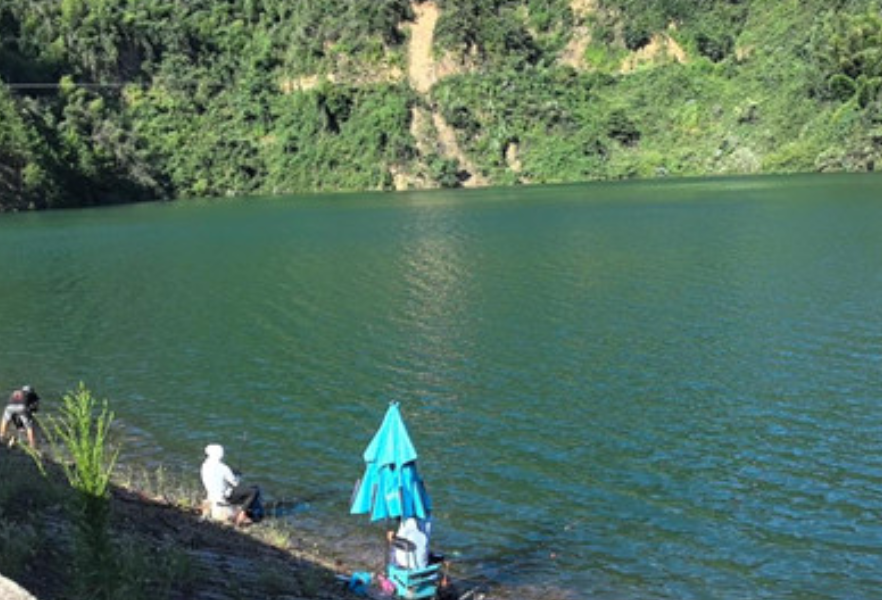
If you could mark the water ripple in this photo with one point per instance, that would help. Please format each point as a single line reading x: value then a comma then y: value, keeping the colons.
x: 617, y: 392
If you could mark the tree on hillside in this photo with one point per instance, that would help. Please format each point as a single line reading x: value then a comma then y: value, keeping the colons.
x: 847, y: 49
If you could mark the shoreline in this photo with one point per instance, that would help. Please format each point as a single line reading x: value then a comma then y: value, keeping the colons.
x: 159, y: 541
x: 160, y: 537
x: 162, y: 543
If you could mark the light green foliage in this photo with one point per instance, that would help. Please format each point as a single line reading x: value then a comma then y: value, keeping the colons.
x: 80, y: 433
x: 13, y: 136
x: 176, y: 487
x: 81, y: 430
x: 604, y: 58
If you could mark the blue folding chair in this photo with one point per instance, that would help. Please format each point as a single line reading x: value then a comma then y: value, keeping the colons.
x: 410, y: 582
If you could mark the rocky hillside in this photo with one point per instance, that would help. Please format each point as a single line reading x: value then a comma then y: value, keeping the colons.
x: 107, y: 101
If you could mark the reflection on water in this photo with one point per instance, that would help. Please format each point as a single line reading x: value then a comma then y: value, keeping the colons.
x: 617, y: 391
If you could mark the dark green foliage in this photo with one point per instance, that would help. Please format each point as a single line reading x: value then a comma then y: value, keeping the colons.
x: 444, y: 171
x: 15, y: 151
x: 621, y: 128
x: 711, y: 26
x: 197, y: 114
x: 550, y: 15
x: 460, y: 117
x: 492, y: 28
x: 715, y: 45
x: 307, y: 32
x: 847, y: 49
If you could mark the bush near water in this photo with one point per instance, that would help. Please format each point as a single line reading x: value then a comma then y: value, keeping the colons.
x: 76, y: 526
x: 108, y: 101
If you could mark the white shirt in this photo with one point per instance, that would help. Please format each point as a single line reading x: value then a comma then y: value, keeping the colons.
x: 218, y: 479
x: 410, y: 531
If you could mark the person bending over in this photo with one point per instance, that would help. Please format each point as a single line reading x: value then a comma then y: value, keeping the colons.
x: 23, y: 403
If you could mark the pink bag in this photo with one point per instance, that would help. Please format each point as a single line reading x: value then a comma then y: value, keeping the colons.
x: 385, y: 585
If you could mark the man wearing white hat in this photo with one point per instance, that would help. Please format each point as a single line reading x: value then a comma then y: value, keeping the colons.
x: 220, y: 481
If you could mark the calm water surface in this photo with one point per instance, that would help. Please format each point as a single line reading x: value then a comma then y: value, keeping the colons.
x: 631, y: 391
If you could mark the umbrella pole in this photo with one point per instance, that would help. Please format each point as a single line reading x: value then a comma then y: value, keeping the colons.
x: 387, y: 559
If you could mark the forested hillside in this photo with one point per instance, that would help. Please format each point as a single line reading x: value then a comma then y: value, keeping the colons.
x: 106, y: 101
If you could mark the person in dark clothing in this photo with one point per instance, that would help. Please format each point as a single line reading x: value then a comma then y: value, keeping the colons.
x: 23, y: 403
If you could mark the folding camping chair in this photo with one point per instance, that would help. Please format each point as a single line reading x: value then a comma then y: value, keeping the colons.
x: 410, y: 582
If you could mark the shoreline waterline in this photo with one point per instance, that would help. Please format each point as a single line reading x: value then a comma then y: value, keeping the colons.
x: 359, y: 546
x: 163, y: 504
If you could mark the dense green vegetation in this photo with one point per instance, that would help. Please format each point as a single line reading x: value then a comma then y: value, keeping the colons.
x: 105, y: 101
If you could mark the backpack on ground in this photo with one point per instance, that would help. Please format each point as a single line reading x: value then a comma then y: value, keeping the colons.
x: 255, y: 510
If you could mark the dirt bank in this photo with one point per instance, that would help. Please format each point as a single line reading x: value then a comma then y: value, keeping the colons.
x: 159, y: 545
x: 164, y: 549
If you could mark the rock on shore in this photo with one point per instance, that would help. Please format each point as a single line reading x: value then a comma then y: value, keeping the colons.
x: 9, y: 590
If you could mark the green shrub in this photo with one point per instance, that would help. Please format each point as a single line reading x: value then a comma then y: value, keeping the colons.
x: 847, y: 52
x: 444, y: 171
x: 792, y: 157
x: 622, y: 128
x: 602, y: 57
x: 81, y: 431
x: 80, y: 434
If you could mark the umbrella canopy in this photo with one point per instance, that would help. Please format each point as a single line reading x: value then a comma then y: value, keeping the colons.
x: 391, y: 444
x: 391, y: 485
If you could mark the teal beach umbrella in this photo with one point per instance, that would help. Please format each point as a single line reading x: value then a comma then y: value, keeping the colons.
x: 391, y: 485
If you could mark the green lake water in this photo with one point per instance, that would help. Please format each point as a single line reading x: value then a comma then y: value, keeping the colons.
x: 665, y: 390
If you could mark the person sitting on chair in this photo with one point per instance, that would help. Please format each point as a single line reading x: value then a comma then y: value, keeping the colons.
x: 227, y: 499
x: 411, y: 544
x: 23, y: 403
